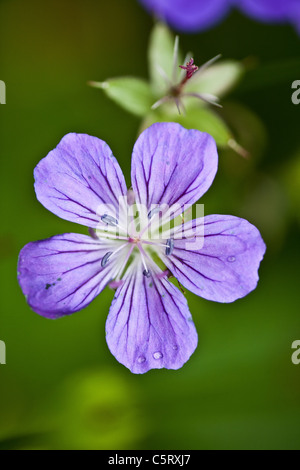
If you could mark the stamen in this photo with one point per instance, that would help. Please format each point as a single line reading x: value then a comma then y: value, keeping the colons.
x: 148, y: 242
x: 109, y: 220
x: 106, y: 258
x: 110, y: 236
x: 146, y: 271
x: 109, y: 254
x: 153, y: 212
x: 123, y: 266
x: 170, y: 246
x: 154, y: 220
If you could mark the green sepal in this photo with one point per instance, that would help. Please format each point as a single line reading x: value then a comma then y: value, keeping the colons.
x: 133, y: 94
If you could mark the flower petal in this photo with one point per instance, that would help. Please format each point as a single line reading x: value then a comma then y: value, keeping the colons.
x: 217, y: 258
x: 149, y: 325
x: 79, y: 179
x: 196, y: 15
x: 172, y: 165
x: 266, y: 10
x: 188, y: 15
x: 63, y: 274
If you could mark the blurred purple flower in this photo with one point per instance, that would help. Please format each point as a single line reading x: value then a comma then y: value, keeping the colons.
x: 188, y: 15
x: 216, y: 257
x: 267, y: 10
x: 277, y: 11
x: 199, y: 15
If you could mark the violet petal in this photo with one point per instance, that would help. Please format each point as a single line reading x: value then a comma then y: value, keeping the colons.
x: 149, y: 325
x: 172, y: 165
x: 188, y: 15
x: 266, y: 10
x: 78, y: 178
x: 63, y: 274
x: 222, y: 266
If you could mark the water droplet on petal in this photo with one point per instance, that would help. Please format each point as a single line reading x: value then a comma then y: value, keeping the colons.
x: 231, y: 259
x: 157, y: 355
x: 141, y: 359
x: 175, y: 347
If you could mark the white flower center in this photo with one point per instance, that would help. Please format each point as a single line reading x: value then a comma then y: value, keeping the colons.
x: 135, y: 236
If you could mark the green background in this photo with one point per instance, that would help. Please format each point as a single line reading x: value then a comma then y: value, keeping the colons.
x: 61, y: 387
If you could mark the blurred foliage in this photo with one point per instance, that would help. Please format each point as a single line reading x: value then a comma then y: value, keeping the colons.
x: 61, y: 387
x: 98, y: 410
x: 291, y: 181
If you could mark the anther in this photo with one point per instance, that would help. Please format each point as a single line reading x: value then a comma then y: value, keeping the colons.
x: 106, y: 258
x: 109, y: 220
x: 153, y: 212
x: 146, y: 273
x: 170, y: 246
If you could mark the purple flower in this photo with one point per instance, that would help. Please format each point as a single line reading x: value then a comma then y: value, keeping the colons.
x: 217, y: 257
x: 269, y: 11
x: 189, y: 15
x: 198, y: 15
